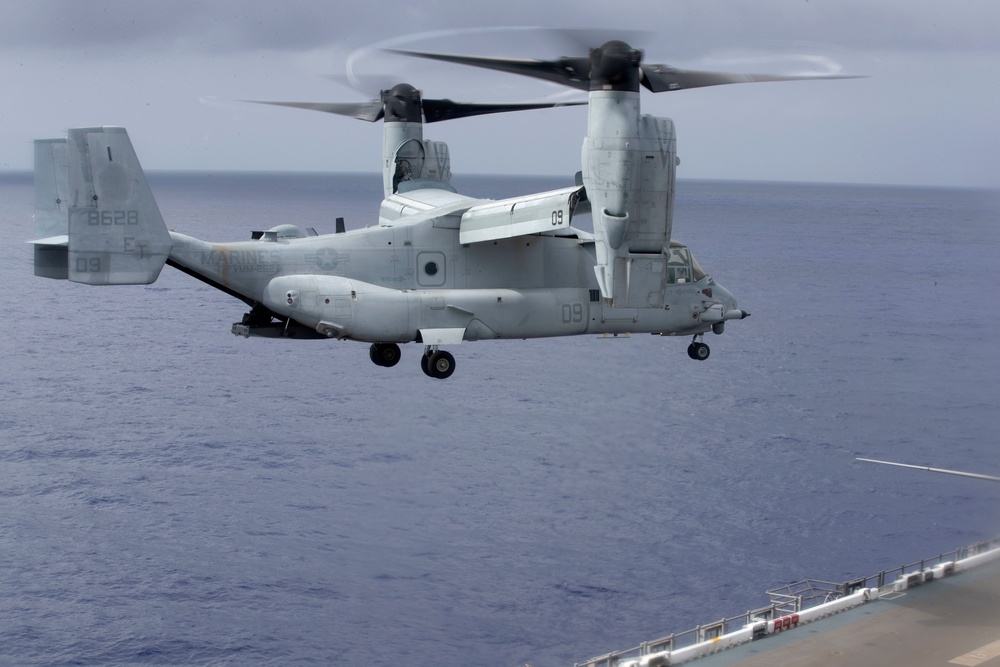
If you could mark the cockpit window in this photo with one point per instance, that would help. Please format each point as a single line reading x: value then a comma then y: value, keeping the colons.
x: 682, y: 267
x: 696, y: 270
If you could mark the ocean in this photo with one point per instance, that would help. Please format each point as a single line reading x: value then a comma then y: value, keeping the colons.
x: 175, y: 495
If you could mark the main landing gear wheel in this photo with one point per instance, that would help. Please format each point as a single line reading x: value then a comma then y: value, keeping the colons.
x: 437, y: 364
x: 698, y: 351
x: 384, y: 354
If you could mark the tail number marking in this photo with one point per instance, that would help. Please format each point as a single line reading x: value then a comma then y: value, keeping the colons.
x: 111, y: 218
x: 88, y: 265
x: 572, y: 313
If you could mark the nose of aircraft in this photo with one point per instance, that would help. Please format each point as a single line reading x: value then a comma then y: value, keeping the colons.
x: 727, y: 310
x: 729, y: 304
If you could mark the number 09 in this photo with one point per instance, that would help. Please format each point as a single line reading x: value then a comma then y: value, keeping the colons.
x: 572, y: 313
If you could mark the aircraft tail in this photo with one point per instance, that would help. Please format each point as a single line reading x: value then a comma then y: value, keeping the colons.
x: 95, y: 211
x: 51, y: 212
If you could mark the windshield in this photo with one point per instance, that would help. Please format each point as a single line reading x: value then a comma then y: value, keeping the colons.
x: 682, y: 267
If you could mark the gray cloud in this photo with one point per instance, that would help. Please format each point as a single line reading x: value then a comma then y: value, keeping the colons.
x: 297, y: 25
x: 932, y: 100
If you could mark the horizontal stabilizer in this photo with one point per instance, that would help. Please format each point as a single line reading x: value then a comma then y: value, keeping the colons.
x: 51, y: 257
x: 534, y: 214
x: 60, y: 240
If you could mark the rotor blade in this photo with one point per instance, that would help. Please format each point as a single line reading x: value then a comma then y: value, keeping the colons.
x: 370, y: 111
x: 576, y: 72
x: 941, y: 470
x: 662, y: 78
x: 573, y: 72
x: 438, y: 110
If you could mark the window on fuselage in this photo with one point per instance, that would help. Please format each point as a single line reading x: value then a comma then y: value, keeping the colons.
x: 682, y: 267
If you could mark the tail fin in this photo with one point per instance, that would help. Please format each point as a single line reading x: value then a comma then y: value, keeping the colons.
x: 116, y: 235
x: 51, y: 209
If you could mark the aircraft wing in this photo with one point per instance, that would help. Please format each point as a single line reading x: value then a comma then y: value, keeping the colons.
x: 419, y: 204
x: 480, y: 220
x: 519, y: 216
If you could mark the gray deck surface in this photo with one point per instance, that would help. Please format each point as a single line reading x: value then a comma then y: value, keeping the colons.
x: 950, y: 621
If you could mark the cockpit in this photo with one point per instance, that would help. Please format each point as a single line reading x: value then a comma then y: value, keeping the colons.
x: 682, y: 267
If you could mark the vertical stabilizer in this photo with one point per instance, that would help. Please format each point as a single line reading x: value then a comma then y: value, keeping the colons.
x: 51, y: 209
x: 116, y: 233
x: 51, y: 172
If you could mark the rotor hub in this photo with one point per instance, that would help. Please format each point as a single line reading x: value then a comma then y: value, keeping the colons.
x: 615, y: 66
x: 402, y: 104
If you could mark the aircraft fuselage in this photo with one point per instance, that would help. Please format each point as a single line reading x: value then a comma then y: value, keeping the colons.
x: 391, y: 282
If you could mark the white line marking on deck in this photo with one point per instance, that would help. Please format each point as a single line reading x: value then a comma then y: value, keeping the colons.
x: 978, y: 656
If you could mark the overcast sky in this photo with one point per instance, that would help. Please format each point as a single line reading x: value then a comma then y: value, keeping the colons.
x: 173, y: 74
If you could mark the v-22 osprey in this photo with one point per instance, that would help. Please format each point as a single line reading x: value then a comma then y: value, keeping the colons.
x: 440, y: 268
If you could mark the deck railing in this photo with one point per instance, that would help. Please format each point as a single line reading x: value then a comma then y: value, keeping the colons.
x: 789, y: 599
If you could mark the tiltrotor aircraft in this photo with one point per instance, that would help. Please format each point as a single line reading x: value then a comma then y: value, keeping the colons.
x: 440, y: 268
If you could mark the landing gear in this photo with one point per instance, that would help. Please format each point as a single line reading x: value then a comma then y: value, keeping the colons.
x: 698, y: 350
x: 384, y: 354
x: 437, y: 363
x: 434, y: 363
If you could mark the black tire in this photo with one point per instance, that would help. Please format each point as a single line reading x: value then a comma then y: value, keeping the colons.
x: 701, y: 351
x: 384, y: 354
x: 441, y: 365
x: 389, y: 354
x: 425, y: 364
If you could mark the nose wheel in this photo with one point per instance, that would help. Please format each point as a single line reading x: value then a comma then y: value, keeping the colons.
x: 698, y: 350
x: 437, y: 363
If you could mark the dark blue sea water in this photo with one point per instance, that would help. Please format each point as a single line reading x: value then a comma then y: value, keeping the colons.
x: 174, y: 495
